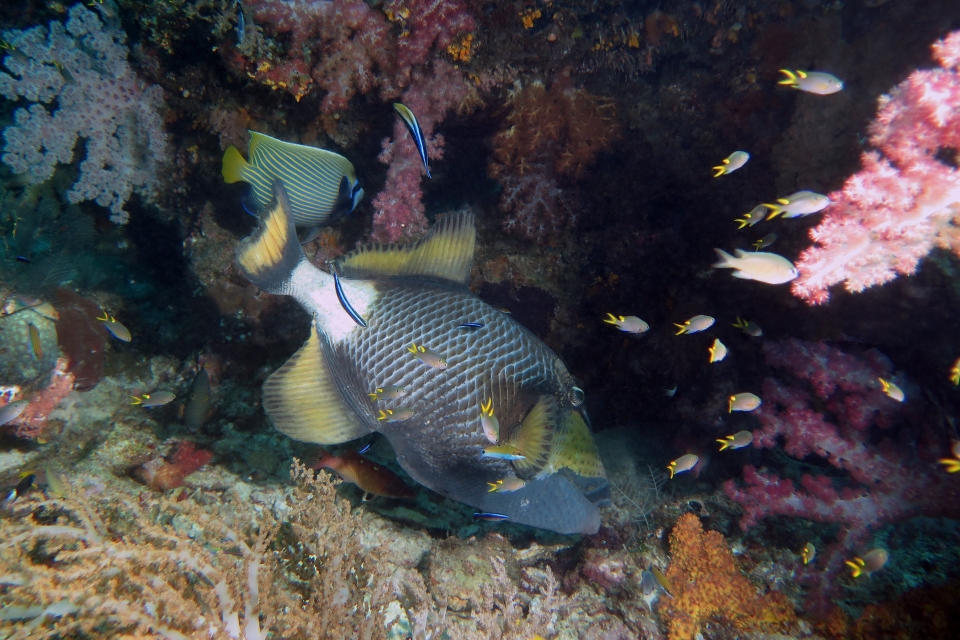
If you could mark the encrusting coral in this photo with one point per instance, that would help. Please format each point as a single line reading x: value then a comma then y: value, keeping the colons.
x: 706, y: 584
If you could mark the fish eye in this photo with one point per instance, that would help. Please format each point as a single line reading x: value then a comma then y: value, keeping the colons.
x: 576, y: 396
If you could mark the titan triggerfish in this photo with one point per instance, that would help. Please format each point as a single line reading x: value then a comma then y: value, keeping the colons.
x: 412, y: 297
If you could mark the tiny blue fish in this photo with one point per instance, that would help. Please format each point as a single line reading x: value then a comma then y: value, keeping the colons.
x: 23, y: 259
x: 346, y: 303
x: 503, y: 452
x: 470, y: 325
x: 241, y: 24
x: 411, y: 121
x: 490, y: 517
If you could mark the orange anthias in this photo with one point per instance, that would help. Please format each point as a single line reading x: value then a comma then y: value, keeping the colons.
x: 366, y: 474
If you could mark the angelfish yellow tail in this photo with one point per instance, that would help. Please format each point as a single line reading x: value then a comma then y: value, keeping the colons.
x: 233, y: 165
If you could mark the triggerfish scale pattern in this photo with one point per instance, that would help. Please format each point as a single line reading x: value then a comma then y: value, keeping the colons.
x: 417, y: 295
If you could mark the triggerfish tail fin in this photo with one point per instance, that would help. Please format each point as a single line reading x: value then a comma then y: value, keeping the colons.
x: 302, y: 400
x: 234, y: 165
x: 446, y: 252
x: 414, y: 126
x: 535, y: 435
x: 269, y: 256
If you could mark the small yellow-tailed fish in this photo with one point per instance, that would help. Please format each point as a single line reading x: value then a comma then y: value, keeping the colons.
x: 12, y: 411
x: 155, y: 399
x: 801, y: 203
x: 892, y: 390
x: 427, y: 356
x: 756, y: 216
x: 321, y: 185
x: 489, y: 422
x: 950, y: 465
x: 696, y: 324
x: 731, y: 163
x: 503, y: 452
x: 718, y: 351
x: 414, y: 126
x: 389, y: 392
x: 116, y: 329
x: 35, y: 345
x: 739, y: 440
x: 743, y: 402
x: 955, y: 372
x: 627, y: 324
x: 765, y: 241
x: 809, y: 553
x: 683, y: 463
x: 818, y: 82
x: 769, y: 268
x: 395, y: 415
x: 871, y: 562
x: 750, y: 328
x: 507, y: 485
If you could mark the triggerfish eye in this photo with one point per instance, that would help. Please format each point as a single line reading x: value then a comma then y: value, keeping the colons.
x: 577, y: 396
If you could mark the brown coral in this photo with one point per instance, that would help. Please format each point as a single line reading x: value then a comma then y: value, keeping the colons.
x: 560, y: 126
x: 707, y: 585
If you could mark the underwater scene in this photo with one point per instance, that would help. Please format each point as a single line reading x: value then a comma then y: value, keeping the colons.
x: 441, y: 319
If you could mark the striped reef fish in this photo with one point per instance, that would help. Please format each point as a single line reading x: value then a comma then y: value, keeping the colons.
x: 416, y: 132
x: 417, y: 294
x: 321, y: 185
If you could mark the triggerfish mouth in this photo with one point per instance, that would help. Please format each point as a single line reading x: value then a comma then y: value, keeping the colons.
x: 321, y: 185
x: 417, y: 295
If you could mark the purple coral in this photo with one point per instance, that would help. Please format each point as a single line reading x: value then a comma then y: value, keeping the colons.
x: 883, y: 467
x: 84, y: 68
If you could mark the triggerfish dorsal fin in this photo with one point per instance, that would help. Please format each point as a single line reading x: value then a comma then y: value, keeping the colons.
x: 271, y: 253
x: 574, y: 448
x: 322, y: 185
x: 445, y: 252
x: 534, y: 436
x: 302, y: 400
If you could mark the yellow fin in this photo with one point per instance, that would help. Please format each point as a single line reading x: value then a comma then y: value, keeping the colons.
x: 233, y: 165
x: 269, y: 255
x: 534, y: 435
x: 302, y: 400
x: 574, y: 448
x: 445, y: 252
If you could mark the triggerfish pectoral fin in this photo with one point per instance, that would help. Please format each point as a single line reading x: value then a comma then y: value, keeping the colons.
x: 535, y: 435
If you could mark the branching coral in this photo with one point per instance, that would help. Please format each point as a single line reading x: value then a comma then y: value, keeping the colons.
x: 549, y: 135
x: 708, y: 585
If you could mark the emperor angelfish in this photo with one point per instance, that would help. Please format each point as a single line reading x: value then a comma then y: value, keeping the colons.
x: 416, y: 296
x: 321, y: 185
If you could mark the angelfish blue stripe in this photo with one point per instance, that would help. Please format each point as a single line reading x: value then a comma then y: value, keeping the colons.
x: 346, y: 303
